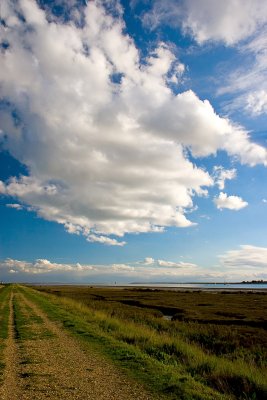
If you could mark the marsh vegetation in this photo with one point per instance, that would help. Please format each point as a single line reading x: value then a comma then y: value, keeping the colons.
x: 183, y: 344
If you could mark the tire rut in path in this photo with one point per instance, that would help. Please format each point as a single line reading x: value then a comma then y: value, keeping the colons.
x: 10, y: 389
x: 61, y: 368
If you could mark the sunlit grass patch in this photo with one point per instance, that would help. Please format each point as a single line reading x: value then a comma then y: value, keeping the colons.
x: 4, y: 317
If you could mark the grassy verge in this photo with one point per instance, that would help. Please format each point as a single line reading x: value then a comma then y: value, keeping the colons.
x: 168, y: 363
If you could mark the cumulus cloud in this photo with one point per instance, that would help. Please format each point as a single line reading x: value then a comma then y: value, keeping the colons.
x: 230, y: 202
x: 240, y: 23
x: 165, y: 263
x: 40, y: 266
x: 221, y: 174
x: 100, y: 130
x: 148, y: 261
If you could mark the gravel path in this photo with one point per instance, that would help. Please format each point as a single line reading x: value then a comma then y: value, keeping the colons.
x: 54, y: 365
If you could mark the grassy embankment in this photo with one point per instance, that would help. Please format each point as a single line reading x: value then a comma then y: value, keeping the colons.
x: 214, y: 357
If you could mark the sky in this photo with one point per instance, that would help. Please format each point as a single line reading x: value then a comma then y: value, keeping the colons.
x: 133, y: 141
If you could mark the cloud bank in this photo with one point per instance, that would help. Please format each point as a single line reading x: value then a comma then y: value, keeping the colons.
x: 43, y: 269
x: 103, y: 136
x: 245, y: 263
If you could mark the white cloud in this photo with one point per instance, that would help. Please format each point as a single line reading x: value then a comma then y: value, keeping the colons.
x: 246, y: 263
x: 150, y: 268
x: 15, y: 206
x: 105, y: 156
x: 248, y: 81
x: 122, y: 268
x: 171, y: 264
x: 229, y: 21
x: 104, y: 240
x: 247, y: 257
x: 230, y: 202
x: 41, y: 266
x: 257, y: 102
x: 240, y: 23
x: 221, y: 175
x: 162, y: 11
x: 149, y: 261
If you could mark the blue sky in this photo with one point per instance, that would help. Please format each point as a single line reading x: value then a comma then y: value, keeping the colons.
x: 133, y: 141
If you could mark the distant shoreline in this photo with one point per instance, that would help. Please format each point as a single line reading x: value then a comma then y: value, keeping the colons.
x: 165, y: 286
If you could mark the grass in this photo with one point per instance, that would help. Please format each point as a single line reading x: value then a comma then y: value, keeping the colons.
x: 178, y: 359
x: 232, y: 325
x: 22, y: 321
x: 78, y: 319
x: 28, y: 325
x: 4, y: 316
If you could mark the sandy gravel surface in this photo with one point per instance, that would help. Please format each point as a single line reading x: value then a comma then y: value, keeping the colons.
x: 54, y: 365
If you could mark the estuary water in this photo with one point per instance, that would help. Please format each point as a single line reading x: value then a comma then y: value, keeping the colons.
x: 225, y: 286
x: 159, y: 285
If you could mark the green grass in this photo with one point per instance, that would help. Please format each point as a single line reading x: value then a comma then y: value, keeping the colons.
x: 28, y: 325
x: 4, y: 316
x: 167, y: 355
x: 22, y: 323
x: 4, y: 313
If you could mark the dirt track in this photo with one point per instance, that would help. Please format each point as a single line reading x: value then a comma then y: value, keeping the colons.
x: 51, y: 364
